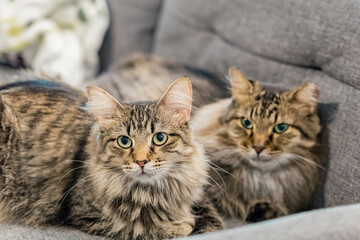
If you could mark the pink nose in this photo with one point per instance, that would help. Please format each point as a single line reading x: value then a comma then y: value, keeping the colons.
x: 141, y: 163
x: 258, y: 149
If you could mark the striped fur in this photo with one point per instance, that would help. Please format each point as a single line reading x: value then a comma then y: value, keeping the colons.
x: 58, y: 167
x: 147, y: 77
x: 282, y: 178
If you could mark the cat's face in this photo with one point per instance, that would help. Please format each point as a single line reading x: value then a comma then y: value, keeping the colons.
x: 270, y: 129
x: 144, y: 144
x: 145, y: 141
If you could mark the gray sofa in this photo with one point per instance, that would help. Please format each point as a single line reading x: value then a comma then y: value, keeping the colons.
x: 282, y: 42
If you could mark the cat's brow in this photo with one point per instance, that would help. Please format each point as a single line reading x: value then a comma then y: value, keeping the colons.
x: 141, y: 117
x: 267, y: 105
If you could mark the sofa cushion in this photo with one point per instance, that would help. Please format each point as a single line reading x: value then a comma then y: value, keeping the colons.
x: 285, y: 42
x: 15, y: 232
x: 327, y: 224
x: 322, y: 35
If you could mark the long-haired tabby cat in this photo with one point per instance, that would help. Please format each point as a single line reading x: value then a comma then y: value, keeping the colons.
x: 126, y: 171
x: 269, y: 145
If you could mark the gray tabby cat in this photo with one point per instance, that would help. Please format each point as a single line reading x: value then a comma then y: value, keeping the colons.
x: 266, y: 144
x: 125, y: 171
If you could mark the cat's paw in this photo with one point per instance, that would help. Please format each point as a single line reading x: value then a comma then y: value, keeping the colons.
x: 207, y: 219
x: 186, y: 229
x: 263, y: 211
x: 181, y: 230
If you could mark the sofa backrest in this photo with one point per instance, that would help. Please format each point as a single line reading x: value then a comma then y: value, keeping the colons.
x: 131, y: 30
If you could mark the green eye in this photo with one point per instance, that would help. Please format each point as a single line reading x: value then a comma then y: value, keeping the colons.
x: 160, y: 138
x: 124, y: 142
x: 281, y: 128
x: 246, y: 123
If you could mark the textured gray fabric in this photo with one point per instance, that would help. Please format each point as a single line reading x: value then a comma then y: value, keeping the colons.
x: 327, y: 224
x: 287, y: 42
x: 13, y: 232
x: 131, y: 29
x: 319, y: 34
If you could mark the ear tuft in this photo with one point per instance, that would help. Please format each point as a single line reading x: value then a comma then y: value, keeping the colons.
x: 177, y: 100
x: 103, y: 105
x: 308, y: 93
x: 240, y: 85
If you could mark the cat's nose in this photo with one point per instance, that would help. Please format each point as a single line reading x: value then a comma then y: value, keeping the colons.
x: 259, y: 149
x: 141, y: 163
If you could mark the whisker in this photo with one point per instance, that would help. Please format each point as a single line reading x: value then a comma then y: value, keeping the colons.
x: 67, y: 192
x: 84, y: 162
x: 221, y: 189
x: 298, y: 157
x: 209, y: 162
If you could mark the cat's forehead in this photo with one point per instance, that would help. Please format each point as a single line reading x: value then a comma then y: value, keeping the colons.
x: 265, y: 105
x: 140, y: 119
x: 266, y: 98
x: 262, y: 107
x: 141, y: 111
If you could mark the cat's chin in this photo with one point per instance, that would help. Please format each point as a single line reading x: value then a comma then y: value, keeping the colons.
x: 144, y: 177
x: 259, y: 158
x: 265, y: 161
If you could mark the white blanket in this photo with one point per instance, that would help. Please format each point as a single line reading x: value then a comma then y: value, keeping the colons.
x: 58, y: 38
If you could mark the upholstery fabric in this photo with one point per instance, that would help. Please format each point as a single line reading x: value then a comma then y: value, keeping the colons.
x: 131, y: 29
x: 339, y: 223
x: 14, y: 232
x: 287, y: 42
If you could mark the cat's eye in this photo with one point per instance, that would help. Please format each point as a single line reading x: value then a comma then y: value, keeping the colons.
x: 246, y: 123
x: 160, y: 138
x: 281, y: 128
x: 124, y: 142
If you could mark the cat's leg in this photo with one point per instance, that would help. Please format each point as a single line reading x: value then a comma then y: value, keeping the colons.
x: 263, y: 210
x: 229, y: 205
x: 206, y: 218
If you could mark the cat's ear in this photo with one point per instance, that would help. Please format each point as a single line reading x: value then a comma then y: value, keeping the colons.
x: 177, y: 100
x: 307, y: 94
x: 104, y: 106
x: 240, y: 86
